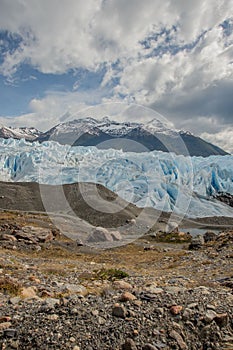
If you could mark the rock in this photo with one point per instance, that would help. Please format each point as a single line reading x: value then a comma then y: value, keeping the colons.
x: 75, y: 289
x: 137, y: 302
x: 101, y: 321
x: 119, y: 311
x: 25, y: 236
x: 221, y: 319
x: 51, y: 302
x: 15, y: 300
x: 149, y: 347
x: 197, y: 242
x: 53, y: 317
x: 100, y: 234
x: 210, y: 316
x: 172, y: 226
x: 210, y: 331
x: 7, y: 238
x: 129, y: 345
x: 176, y: 309
x: 46, y: 294
x: 203, y: 290
x: 122, y: 285
x: 9, y: 333
x: 29, y: 292
x: 173, y: 334
x: 116, y: 236
x: 5, y: 319
x: 126, y: 296
x: 76, y: 347
x: 174, y: 289
x: 4, y: 325
x: 79, y: 242
x: 154, y: 289
x: 38, y: 234
x: 34, y: 279
x: 192, y: 306
x: 209, y: 236
x: 187, y: 314
x: 95, y: 312
x: 131, y: 221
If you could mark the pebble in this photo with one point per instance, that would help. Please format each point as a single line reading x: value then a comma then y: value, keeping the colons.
x: 119, y: 311
x: 173, y: 334
x: 129, y: 345
x: 29, y: 292
x: 127, y: 296
x: 9, y: 333
x: 221, y: 319
x: 5, y: 325
x: 122, y: 285
x: 15, y: 300
x: 53, y: 317
x: 210, y: 316
x: 149, y: 347
x: 176, y: 309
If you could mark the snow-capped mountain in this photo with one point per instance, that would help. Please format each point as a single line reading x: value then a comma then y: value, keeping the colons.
x: 164, y: 181
x: 29, y: 134
x: 129, y: 136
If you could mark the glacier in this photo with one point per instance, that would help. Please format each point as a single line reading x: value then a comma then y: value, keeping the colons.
x: 165, y: 181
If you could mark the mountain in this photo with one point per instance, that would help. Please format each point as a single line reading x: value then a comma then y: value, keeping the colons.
x: 163, y: 181
x: 127, y: 136
x: 29, y: 134
x: 130, y: 137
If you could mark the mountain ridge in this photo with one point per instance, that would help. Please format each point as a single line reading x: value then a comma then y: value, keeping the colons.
x: 128, y: 136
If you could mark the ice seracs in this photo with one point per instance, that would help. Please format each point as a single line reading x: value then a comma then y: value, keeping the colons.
x: 165, y: 181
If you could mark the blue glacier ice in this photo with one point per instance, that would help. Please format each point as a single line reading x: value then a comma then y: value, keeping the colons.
x: 161, y: 180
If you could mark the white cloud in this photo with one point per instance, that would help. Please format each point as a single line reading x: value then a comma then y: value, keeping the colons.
x: 223, y: 139
x: 53, y: 109
x: 58, y: 36
x: 150, y: 78
x: 189, y: 74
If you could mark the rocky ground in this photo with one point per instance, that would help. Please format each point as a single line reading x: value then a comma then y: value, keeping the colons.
x: 160, y: 292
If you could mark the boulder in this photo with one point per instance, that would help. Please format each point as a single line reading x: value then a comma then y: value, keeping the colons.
x: 101, y: 234
x: 209, y: 236
x: 197, y: 242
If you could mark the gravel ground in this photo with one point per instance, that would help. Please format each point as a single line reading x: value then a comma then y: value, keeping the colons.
x: 54, y: 295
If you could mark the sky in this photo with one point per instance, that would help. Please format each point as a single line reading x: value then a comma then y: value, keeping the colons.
x: 173, y: 56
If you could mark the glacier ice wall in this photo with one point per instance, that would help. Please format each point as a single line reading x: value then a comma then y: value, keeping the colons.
x: 164, y: 181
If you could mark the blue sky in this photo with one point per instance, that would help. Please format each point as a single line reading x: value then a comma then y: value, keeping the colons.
x: 175, y: 57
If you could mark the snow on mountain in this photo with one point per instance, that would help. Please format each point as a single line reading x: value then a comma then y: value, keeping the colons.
x: 110, y: 127
x: 129, y: 136
x: 161, y: 180
x: 29, y: 134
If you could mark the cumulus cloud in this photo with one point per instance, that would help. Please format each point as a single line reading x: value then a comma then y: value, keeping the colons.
x: 173, y: 56
x: 57, y: 36
x: 53, y: 109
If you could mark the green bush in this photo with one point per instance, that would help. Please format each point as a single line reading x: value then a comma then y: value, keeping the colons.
x: 110, y: 274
